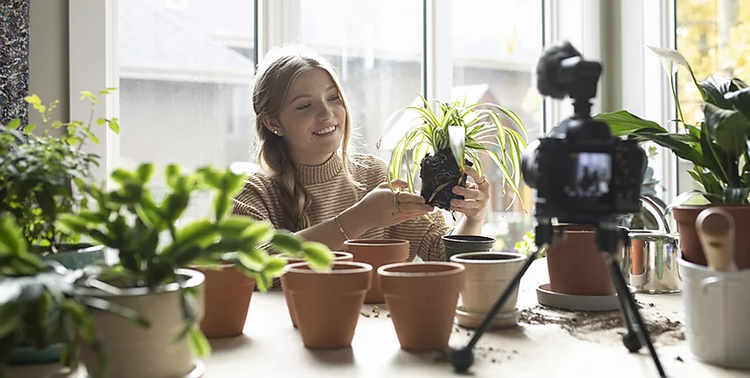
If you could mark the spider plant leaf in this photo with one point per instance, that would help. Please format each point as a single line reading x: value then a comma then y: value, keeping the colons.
x: 507, y: 177
x: 458, y: 145
x: 513, y: 117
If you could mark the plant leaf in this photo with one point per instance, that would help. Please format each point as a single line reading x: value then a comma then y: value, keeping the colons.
x: 741, y: 101
x: 457, y: 135
x: 198, y: 343
x: 623, y: 123
x: 317, y: 255
x: 729, y: 128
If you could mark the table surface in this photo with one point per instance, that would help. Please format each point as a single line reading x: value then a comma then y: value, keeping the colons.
x: 559, y: 347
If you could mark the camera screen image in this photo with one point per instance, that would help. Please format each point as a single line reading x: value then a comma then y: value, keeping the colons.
x: 592, y: 173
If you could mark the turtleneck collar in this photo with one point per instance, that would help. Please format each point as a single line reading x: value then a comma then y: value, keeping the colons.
x: 316, y: 174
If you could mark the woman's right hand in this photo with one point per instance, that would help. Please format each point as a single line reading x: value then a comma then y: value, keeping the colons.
x: 382, y: 207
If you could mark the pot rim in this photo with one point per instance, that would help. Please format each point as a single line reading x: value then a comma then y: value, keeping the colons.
x: 461, y: 257
x: 337, y: 254
x: 355, y: 268
x: 194, y: 279
x: 385, y: 269
x: 722, y: 205
x: 374, y: 242
x: 478, y: 238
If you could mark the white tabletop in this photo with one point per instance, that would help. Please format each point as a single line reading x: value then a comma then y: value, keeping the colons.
x: 271, y: 347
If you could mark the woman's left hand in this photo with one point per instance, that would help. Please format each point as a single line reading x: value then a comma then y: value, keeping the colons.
x: 476, y: 196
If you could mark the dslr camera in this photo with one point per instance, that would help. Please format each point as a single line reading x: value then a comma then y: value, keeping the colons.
x: 582, y: 174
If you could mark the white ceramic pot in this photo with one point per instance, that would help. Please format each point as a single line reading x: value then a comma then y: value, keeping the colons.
x: 134, y: 351
x: 716, y: 308
x: 487, y: 276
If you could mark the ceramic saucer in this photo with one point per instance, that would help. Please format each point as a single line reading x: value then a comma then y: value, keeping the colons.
x: 547, y: 297
x: 474, y: 320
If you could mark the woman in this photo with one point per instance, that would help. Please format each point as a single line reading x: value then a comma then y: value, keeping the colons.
x: 310, y: 184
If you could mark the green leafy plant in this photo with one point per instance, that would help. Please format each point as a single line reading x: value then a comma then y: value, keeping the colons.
x: 38, y: 171
x: 151, y: 247
x: 443, y: 142
x: 526, y: 245
x: 717, y: 146
x: 39, y: 305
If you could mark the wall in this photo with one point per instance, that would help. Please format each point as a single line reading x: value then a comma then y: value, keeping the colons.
x: 48, y: 55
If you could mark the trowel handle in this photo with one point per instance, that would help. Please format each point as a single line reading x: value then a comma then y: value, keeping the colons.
x: 715, y: 229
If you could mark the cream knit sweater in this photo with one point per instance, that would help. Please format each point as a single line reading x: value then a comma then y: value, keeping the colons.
x: 330, y: 193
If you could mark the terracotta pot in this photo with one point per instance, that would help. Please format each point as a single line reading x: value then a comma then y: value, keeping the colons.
x: 487, y: 276
x: 576, y: 266
x: 466, y: 243
x: 227, y: 297
x: 338, y: 256
x: 690, y: 245
x: 422, y: 301
x: 327, y: 304
x: 134, y: 351
x: 377, y: 252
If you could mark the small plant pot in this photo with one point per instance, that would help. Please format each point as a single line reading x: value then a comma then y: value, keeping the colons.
x: 327, y: 304
x: 227, y: 296
x: 455, y: 244
x: 487, y: 276
x: 134, y: 351
x: 338, y: 256
x: 422, y: 301
x: 690, y: 245
x: 576, y: 266
x: 377, y: 252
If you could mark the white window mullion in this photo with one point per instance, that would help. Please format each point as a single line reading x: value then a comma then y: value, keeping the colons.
x: 439, y: 62
x: 93, y: 67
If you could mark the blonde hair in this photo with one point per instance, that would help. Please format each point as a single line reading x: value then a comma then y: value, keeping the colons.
x: 276, y: 73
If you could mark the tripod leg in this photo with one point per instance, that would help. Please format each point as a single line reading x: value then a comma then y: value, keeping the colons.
x: 630, y: 308
x: 463, y: 358
x: 630, y: 339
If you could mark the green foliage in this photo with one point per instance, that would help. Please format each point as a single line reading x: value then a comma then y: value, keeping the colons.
x: 526, y: 245
x: 151, y: 247
x: 38, y: 303
x: 38, y: 172
x: 469, y: 130
x: 717, y: 146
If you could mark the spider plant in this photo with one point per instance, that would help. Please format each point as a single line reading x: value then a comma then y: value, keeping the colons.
x: 441, y: 144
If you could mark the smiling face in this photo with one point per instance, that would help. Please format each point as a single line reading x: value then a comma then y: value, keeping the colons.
x: 312, y: 118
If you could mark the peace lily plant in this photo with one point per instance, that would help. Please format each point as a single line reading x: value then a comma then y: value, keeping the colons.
x: 441, y: 143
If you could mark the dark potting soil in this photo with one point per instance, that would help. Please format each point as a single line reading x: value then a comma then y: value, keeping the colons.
x: 439, y: 174
x: 605, y: 326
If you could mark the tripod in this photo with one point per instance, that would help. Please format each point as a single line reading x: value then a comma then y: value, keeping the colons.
x: 608, y: 237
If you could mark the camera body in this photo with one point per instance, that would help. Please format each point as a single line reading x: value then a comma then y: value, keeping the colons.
x: 582, y: 173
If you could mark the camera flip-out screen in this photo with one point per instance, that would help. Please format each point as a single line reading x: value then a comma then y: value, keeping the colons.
x: 593, y: 172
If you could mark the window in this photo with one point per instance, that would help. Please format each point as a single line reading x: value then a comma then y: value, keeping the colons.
x: 185, y: 71
x: 713, y: 37
x: 493, y: 62
x: 376, y: 48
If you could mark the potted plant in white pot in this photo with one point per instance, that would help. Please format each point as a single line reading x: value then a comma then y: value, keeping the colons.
x: 718, y: 148
x: 153, y: 253
x: 441, y: 143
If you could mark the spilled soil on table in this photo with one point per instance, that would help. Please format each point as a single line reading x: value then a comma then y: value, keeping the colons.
x: 607, y: 327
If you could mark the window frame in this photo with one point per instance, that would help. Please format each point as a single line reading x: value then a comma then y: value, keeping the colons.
x: 630, y: 25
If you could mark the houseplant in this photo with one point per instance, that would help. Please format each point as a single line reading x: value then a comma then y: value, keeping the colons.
x: 717, y: 147
x: 444, y: 141
x: 38, y: 303
x: 38, y: 181
x: 39, y: 173
x: 153, y: 252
